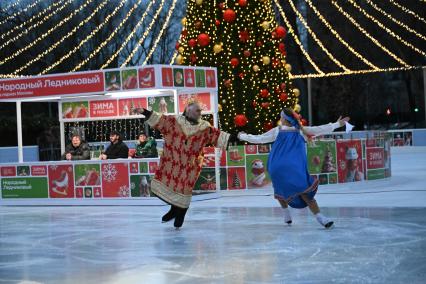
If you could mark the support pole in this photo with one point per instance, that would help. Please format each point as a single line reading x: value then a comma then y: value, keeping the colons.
x: 19, y: 130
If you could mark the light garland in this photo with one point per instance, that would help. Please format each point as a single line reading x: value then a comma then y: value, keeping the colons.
x: 11, y: 5
x: 20, y: 12
x: 338, y: 37
x: 356, y: 72
x: 51, y: 30
x: 408, y: 11
x: 117, y: 52
x: 42, y: 21
x: 166, y: 23
x: 395, y: 20
x: 291, y: 31
x: 364, y: 32
x: 337, y: 62
x: 105, y: 42
x: 391, y: 33
x: 85, y: 21
x: 92, y: 34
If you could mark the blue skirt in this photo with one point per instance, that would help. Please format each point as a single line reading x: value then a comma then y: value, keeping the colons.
x: 288, y: 168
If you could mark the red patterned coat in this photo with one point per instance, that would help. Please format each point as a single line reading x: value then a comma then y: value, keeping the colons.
x: 182, y: 158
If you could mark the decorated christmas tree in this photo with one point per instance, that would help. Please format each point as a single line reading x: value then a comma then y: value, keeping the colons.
x: 242, y: 39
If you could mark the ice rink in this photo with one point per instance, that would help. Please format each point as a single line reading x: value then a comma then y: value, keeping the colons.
x: 379, y: 237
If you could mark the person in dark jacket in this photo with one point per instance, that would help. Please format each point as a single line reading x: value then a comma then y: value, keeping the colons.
x: 117, y: 150
x: 146, y: 147
x: 77, y: 150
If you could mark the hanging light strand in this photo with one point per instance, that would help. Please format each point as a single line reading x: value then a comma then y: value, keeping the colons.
x: 364, y: 32
x: 105, y: 42
x: 27, y: 30
x: 134, y: 32
x: 388, y: 31
x: 395, y: 20
x: 11, y: 5
x: 408, y: 11
x: 338, y: 37
x: 337, y: 62
x: 355, y: 72
x: 165, y: 25
x: 56, y: 44
x: 51, y: 30
x: 20, y: 12
x: 291, y: 31
x: 92, y: 34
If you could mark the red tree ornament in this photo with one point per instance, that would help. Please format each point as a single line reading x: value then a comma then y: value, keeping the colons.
x: 203, y: 40
x: 259, y: 43
x: 234, y: 62
x: 265, y: 105
x: 282, y: 86
x: 281, y: 46
x: 217, y: 22
x: 177, y: 45
x: 254, y: 103
x: 281, y: 31
x: 184, y: 33
x: 229, y: 15
x: 268, y: 126
x: 244, y: 36
x: 227, y: 83
x: 193, y: 58
x: 264, y: 93
x: 192, y: 42
x: 247, y: 53
x: 220, y: 5
x: 242, y: 3
x: 240, y: 120
x: 283, y: 97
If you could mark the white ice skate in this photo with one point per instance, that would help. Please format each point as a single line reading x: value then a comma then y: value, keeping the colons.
x: 326, y: 222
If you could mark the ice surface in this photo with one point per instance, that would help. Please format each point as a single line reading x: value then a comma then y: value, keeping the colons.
x: 234, y: 239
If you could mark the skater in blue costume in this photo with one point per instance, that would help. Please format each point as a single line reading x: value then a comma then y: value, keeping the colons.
x: 287, y: 163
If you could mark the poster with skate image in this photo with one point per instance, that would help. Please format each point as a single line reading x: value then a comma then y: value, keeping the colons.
x: 167, y: 77
x: 203, y: 99
x: 206, y: 180
x: 164, y: 104
x: 87, y: 174
x: 322, y: 157
x: 97, y: 192
x: 210, y: 79
x: 236, y: 156
x: 200, y: 79
x: 146, y: 77
x: 115, y: 180
x: 130, y: 79
x: 112, y: 81
x: 257, y: 172
x: 88, y: 192
x: 349, y: 161
x: 61, y: 181
x: 127, y: 107
x: 140, y: 185
x: 189, y: 77
x: 178, y: 77
x: 237, y: 178
x: 75, y: 110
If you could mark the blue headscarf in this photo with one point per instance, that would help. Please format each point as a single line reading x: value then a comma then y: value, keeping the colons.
x: 292, y: 120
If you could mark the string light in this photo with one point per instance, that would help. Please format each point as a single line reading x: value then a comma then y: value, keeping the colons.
x: 395, y: 20
x: 316, y: 39
x: 296, y: 39
x: 364, y: 32
x: 92, y: 34
x: 20, y: 12
x: 338, y: 37
x: 391, y: 33
x: 408, y: 11
x: 166, y: 23
x: 85, y: 21
x: 117, y: 52
x: 356, y: 72
x: 42, y: 21
x: 105, y: 42
x: 11, y: 5
x: 38, y: 39
x: 175, y: 53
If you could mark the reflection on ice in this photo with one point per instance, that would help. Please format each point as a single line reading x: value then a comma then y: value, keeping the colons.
x: 216, y: 245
